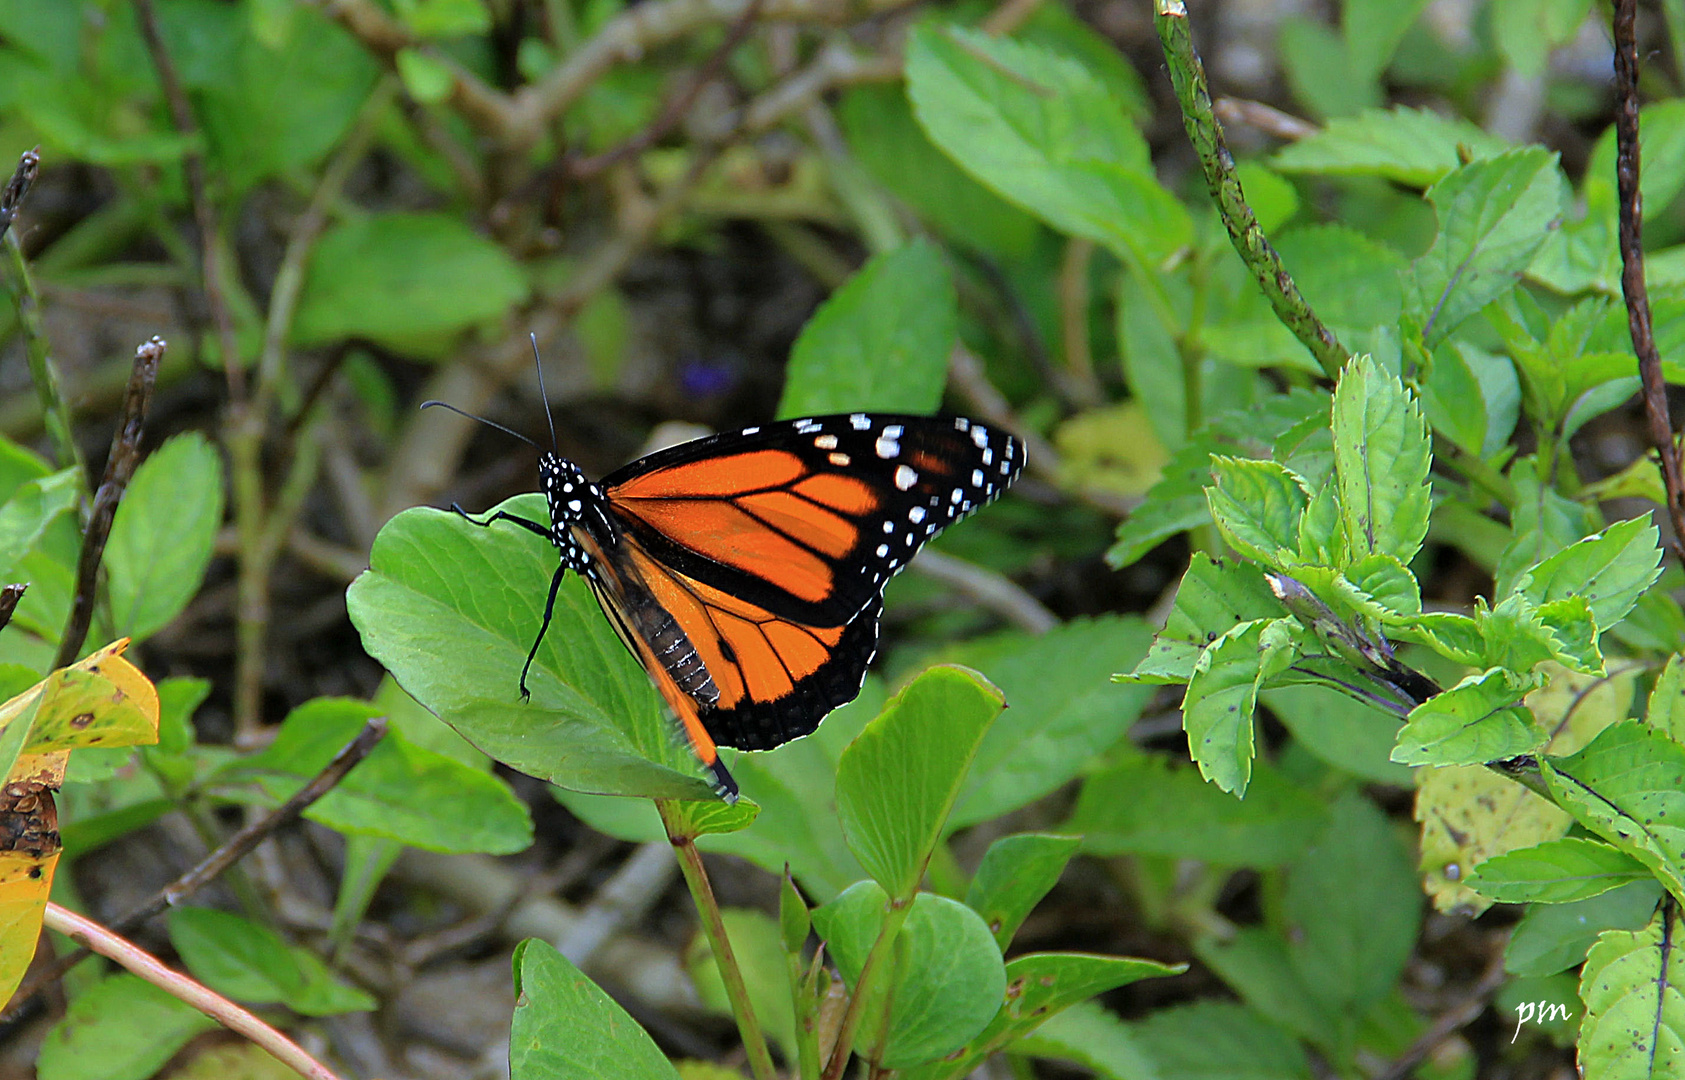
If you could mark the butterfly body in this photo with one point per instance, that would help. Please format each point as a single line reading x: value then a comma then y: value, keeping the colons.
x: 745, y: 571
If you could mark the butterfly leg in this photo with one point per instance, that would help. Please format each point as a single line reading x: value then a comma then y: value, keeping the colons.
x: 501, y: 515
x: 549, y: 609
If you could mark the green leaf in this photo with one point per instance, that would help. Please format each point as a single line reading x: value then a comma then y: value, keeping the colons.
x: 1353, y: 951
x: 901, y: 776
x: 1666, y: 709
x: 400, y: 791
x: 1256, y: 963
x: 1352, y: 282
x: 1063, y: 709
x: 1173, y: 505
x: 162, y: 536
x: 794, y: 919
x: 1257, y: 506
x: 1219, y: 1040
x: 1087, y: 1035
x: 1042, y: 131
x: 427, y: 79
x: 1628, y: 786
x: 1555, y: 937
x: 1222, y: 695
x: 33, y: 506
x: 1016, y: 872
x: 1414, y: 147
x: 1526, y: 31
x: 1493, y: 215
x: 1461, y: 374
x: 1478, y: 720
x: 881, y: 342
x: 1381, y: 456
x: 1037, y: 986
x: 121, y: 1028
x: 440, y: 587
x: 247, y: 962
x: 1212, y: 594
x: 1556, y: 872
x: 948, y: 980
x: 1145, y: 805
x: 1344, y: 732
x: 444, y: 18
x: 282, y: 109
x: 1373, y: 29
x: 410, y: 281
x: 1634, y: 1023
x: 566, y: 1028
x: 1610, y: 569
x: 878, y: 123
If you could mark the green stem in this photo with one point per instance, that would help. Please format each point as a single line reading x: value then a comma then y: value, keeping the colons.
x: 893, y: 917
x: 42, y: 371
x: 713, y: 924
x: 1187, y: 74
x: 804, y: 998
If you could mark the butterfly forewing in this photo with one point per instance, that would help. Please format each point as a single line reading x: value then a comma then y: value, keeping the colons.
x: 807, y: 519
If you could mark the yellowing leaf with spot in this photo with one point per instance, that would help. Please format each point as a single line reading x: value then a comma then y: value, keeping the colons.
x: 26, y: 877
x: 1469, y: 813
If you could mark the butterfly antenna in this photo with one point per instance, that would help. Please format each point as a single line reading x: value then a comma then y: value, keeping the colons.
x: 483, y: 420
x: 548, y: 418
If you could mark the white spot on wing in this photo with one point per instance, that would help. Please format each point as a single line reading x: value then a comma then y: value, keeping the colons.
x: 839, y: 460
x: 826, y: 442
x: 883, y: 549
x: 887, y: 447
x: 751, y: 431
x: 980, y: 436
x: 916, y: 514
x: 976, y: 477
x: 859, y: 421
x: 905, y: 477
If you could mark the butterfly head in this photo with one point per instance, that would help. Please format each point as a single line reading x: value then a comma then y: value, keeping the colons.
x: 574, y: 500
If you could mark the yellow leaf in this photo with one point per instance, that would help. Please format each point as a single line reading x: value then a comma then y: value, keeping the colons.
x: 26, y: 877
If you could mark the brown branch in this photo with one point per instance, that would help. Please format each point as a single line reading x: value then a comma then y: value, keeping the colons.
x: 9, y: 597
x: 1239, y: 112
x: 676, y: 108
x: 1632, y: 267
x: 11, y: 200
x: 93, y: 936
x: 204, y: 213
x: 119, y: 468
x: 212, y: 866
x: 1452, y: 1020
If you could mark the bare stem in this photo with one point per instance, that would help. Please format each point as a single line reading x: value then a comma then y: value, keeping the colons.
x: 1206, y: 134
x: 43, y: 373
x: 713, y: 925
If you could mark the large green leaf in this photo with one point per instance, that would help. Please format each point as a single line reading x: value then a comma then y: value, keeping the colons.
x: 121, y: 1028
x: 1016, y: 872
x: 1478, y: 720
x: 451, y: 608
x: 162, y: 536
x: 1493, y: 215
x: 1408, y: 146
x: 399, y: 792
x: 408, y: 280
x: 1610, y: 570
x: 1628, y: 786
x: 881, y: 342
x: 1040, y: 129
x: 1381, y: 456
x: 899, y: 779
x: 1555, y: 937
x: 1219, y: 1040
x: 1634, y: 1023
x: 1556, y: 872
x: 253, y: 964
x: 566, y: 1028
x: 1222, y: 695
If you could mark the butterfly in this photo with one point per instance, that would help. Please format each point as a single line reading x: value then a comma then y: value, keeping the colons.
x: 745, y: 571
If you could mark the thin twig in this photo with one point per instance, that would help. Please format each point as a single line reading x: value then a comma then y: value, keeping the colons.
x: 11, y: 200
x: 995, y: 591
x: 43, y: 373
x: 1074, y: 298
x: 1188, y: 76
x: 204, y: 212
x: 1632, y: 267
x: 97, y: 938
x: 9, y: 597
x: 231, y: 851
x: 1266, y: 118
x: 1452, y: 1020
x: 676, y: 108
x: 120, y: 465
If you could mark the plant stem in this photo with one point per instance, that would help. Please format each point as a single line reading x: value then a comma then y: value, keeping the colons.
x: 1206, y: 134
x: 43, y: 372
x: 893, y: 917
x: 713, y: 924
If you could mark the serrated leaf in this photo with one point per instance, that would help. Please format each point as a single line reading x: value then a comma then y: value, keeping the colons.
x: 1042, y: 131
x: 1493, y: 216
x: 1415, y: 147
x: 1611, y: 569
x: 1175, y: 504
x: 880, y: 342
x: 1469, y: 814
x: 1555, y: 872
x: 1634, y: 1023
x: 1666, y: 708
x: 1381, y: 456
x: 1478, y: 720
x: 1257, y: 506
x: 1211, y: 594
x: 1628, y: 786
x: 1222, y: 695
